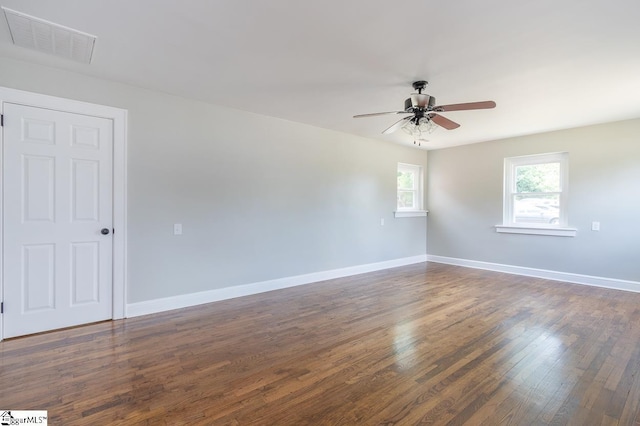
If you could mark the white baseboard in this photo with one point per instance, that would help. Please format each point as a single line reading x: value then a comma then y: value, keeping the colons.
x: 612, y: 283
x: 193, y: 299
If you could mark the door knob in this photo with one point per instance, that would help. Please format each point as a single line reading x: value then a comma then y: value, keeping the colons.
x: 104, y: 231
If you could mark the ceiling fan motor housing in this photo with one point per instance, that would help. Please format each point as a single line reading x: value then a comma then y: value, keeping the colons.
x: 419, y: 100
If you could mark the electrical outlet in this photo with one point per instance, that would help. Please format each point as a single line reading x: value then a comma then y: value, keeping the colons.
x: 177, y: 229
x: 595, y: 226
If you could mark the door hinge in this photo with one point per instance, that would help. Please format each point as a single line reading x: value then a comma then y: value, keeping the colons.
x: 1, y: 307
x: 1, y: 120
x: 113, y: 231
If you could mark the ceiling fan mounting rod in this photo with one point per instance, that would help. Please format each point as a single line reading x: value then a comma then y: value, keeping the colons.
x: 420, y: 85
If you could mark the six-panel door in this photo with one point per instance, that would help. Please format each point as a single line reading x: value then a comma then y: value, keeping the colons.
x: 57, y: 175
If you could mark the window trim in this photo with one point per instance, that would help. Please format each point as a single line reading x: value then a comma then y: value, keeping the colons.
x: 411, y: 213
x: 418, y: 210
x: 509, y: 193
x: 531, y: 230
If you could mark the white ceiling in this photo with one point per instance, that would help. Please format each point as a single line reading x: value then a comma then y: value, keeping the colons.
x: 548, y: 64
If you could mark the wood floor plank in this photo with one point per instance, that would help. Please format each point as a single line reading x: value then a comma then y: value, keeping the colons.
x: 422, y: 344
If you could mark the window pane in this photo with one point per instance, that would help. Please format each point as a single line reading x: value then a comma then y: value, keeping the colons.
x: 405, y: 180
x: 536, y: 208
x: 538, y: 178
x: 406, y: 199
x: 535, y: 187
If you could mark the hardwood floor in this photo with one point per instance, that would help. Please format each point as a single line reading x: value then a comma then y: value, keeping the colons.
x: 422, y: 344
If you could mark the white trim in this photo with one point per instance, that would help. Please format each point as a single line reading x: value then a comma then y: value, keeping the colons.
x: 193, y: 299
x: 534, y: 230
x: 612, y: 283
x: 414, y: 213
x: 119, y: 119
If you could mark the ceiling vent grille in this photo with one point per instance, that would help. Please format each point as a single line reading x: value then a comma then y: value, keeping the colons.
x: 44, y: 36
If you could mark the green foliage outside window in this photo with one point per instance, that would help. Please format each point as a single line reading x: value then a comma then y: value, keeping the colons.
x: 538, y: 178
x: 405, y: 180
x: 406, y: 189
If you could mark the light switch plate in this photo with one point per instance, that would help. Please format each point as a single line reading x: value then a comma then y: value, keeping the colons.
x: 177, y: 229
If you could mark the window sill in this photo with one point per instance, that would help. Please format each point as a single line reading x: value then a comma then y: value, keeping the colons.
x: 411, y: 213
x: 536, y: 230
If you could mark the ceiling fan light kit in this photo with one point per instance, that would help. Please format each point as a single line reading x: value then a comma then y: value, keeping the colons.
x: 424, y: 114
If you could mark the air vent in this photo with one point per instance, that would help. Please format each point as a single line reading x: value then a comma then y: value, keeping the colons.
x: 44, y: 36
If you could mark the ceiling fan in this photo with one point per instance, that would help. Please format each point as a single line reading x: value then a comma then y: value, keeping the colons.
x: 423, y: 113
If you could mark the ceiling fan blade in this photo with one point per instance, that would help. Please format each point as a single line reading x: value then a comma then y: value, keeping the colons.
x: 395, y: 126
x: 466, y: 106
x: 443, y: 121
x: 380, y: 113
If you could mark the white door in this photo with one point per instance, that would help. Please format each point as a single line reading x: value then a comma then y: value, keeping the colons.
x: 57, y: 182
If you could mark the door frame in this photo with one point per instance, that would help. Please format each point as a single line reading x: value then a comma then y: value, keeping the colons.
x: 119, y: 120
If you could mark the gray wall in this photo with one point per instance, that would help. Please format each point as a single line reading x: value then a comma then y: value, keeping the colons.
x: 259, y: 198
x: 465, y: 202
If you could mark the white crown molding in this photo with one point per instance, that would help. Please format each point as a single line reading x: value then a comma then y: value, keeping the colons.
x: 612, y: 283
x: 193, y: 299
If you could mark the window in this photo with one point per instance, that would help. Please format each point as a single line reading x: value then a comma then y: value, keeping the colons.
x: 409, y: 193
x: 535, y: 192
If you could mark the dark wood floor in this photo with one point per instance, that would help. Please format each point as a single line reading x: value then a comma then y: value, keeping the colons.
x: 422, y: 344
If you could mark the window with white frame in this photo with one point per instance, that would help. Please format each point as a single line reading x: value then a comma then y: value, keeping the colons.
x: 409, y: 193
x: 535, y: 193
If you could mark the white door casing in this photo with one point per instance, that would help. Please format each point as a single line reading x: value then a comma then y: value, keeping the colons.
x: 63, y: 181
